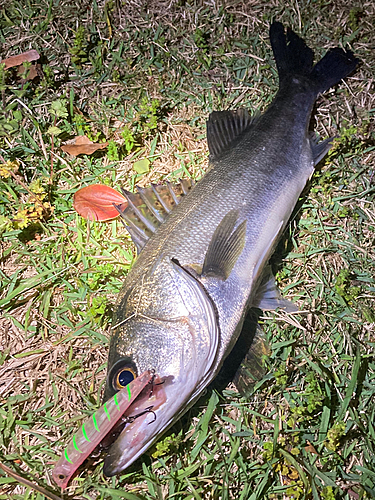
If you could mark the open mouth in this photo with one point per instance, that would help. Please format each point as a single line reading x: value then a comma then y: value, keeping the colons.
x: 141, y: 422
x: 142, y: 409
x: 134, y: 403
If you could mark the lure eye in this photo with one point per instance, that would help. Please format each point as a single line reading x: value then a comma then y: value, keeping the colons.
x: 121, y: 374
x: 123, y: 377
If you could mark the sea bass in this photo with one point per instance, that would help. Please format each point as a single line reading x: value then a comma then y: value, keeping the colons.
x: 203, y: 252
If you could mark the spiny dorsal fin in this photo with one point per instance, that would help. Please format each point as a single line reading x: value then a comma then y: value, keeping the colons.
x: 149, y: 208
x: 225, y: 247
x: 224, y: 128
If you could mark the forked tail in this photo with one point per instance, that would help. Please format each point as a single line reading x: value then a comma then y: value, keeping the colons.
x: 294, y: 58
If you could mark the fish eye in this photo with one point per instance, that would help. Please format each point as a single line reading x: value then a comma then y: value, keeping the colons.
x: 122, y: 374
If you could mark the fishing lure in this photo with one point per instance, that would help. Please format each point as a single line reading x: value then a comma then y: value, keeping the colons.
x: 30, y: 484
x: 94, y: 430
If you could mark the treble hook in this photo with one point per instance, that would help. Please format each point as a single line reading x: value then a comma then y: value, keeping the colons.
x: 146, y: 410
x: 151, y: 382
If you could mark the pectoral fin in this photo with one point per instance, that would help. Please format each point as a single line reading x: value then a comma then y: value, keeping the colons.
x: 225, y: 247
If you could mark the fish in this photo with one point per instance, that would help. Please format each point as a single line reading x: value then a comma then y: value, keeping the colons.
x: 204, y: 248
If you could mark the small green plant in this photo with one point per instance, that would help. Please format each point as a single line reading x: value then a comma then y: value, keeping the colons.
x: 267, y: 451
x: 36, y: 207
x: 201, y: 39
x: 8, y: 168
x: 129, y: 140
x: 281, y: 375
x: 59, y: 108
x: 79, y: 49
x: 98, y: 309
x: 101, y: 276
x: 295, y: 490
x: 347, y: 140
x: 328, y: 493
x: 283, y: 465
x: 112, y: 151
x: 25, y: 70
x: 311, y: 401
x: 344, y: 287
x: 334, y: 436
x: 149, y: 113
x: 168, y: 445
x: 84, y: 128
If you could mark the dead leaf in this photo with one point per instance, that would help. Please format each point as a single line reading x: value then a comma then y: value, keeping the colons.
x: 32, y: 72
x: 96, y: 202
x: 82, y: 139
x: 310, y: 448
x: 30, y: 55
x: 83, y: 146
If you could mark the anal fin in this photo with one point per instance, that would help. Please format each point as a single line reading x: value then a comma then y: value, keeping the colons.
x: 252, y: 368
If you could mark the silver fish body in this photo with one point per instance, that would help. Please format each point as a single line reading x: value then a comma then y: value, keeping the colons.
x: 183, y: 303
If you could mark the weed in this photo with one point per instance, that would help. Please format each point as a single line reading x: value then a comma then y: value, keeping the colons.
x: 98, y: 308
x: 148, y: 113
x: 168, y: 445
x: 80, y: 47
x: 344, y: 286
x: 129, y: 139
x: 334, y: 436
x: 113, y: 151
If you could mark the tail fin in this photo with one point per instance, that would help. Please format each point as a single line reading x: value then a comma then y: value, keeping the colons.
x: 294, y: 58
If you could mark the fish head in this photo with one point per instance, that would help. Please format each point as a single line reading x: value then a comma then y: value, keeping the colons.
x: 181, y: 345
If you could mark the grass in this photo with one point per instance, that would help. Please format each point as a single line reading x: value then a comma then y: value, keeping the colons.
x: 146, y: 76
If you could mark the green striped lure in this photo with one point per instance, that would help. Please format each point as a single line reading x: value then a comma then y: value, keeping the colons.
x: 94, y: 430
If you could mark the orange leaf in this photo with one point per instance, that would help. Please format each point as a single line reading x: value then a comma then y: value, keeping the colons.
x: 83, y: 146
x: 96, y: 202
x: 30, y: 55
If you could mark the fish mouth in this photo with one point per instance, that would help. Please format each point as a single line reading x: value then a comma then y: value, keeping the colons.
x: 130, y: 437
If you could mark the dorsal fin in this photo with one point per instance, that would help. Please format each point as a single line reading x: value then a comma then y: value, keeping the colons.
x: 224, y: 128
x: 148, y: 208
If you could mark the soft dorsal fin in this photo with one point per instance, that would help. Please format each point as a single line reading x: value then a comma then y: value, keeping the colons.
x: 224, y: 128
x: 225, y: 247
x: 148, y: 208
